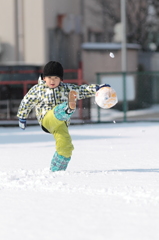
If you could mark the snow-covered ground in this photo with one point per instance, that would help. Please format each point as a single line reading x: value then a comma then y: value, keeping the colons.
x: 110, y: 190
x: 151, y: 113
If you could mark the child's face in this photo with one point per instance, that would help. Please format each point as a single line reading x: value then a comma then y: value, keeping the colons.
x: 52, y: 81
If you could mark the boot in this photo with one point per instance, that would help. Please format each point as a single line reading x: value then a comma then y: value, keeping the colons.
x: 59, y: 163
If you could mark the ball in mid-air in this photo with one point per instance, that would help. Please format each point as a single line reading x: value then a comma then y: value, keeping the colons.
x: 106, y: 97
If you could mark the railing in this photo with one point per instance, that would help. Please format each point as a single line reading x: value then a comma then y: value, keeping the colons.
x: 138, y: 96
x: 79, y: 80
x: 6, y: 105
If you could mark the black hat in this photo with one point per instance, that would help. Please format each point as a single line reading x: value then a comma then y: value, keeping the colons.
x: 53, y: 68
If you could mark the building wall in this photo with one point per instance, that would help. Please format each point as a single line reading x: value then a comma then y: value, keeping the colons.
x: 25, y: 25
x: 34, y: 34
x: 100, y: 61
x: 7, y: 31
x: 70, y: 9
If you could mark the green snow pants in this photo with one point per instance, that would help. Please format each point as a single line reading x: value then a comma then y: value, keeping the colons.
x: 60, y: 132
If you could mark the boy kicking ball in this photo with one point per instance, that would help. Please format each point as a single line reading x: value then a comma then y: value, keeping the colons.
x: 55, y: 102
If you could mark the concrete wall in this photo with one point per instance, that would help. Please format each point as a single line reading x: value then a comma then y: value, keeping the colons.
x: 99, y: 60
x: 34, y: 34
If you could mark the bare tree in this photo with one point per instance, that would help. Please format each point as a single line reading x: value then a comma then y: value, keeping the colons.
x: 137, y: 12
x: 142, y: 20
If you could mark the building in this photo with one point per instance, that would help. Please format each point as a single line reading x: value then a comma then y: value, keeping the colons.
x: 36, y: 31
x: 33, y: 32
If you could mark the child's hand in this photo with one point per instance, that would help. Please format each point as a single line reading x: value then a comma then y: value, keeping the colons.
x: 22, y: 123
x: 102, y: 85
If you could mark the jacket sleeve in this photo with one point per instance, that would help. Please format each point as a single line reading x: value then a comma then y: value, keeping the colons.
x: 85, y: 91
x: 28, y: 102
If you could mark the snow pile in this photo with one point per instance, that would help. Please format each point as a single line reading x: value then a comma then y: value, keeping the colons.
x: 43, y: 180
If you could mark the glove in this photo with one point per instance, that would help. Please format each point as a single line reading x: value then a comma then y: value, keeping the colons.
x: 22, y: 123
x: 102, y: 85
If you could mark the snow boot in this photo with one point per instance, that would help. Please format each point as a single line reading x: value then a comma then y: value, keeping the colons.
x: 64, y: 111
x: 59, y: 163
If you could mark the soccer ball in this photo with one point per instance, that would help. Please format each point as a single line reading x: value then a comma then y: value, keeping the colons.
x: 106, y: 97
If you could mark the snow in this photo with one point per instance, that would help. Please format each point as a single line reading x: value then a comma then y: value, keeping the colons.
x: 109, y: 191
x: 150, y: 114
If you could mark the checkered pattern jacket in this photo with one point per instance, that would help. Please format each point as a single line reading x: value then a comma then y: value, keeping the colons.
x: 44, y: 98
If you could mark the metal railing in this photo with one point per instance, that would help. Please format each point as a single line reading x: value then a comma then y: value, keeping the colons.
x: 138, y: 96
x: 14, y: 90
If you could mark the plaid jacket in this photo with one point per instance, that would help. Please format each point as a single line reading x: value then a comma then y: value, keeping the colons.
x: 44, y: 98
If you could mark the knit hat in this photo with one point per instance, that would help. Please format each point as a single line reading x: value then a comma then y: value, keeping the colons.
x: 53, y: 68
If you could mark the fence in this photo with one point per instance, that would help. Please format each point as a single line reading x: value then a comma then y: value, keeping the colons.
x: 12, y: 92
x: 138, y: 96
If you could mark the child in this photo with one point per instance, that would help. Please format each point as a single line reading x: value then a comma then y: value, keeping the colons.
x: 55, y: 102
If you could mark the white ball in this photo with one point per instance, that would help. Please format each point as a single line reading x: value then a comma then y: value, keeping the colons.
x: 106, y: 97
